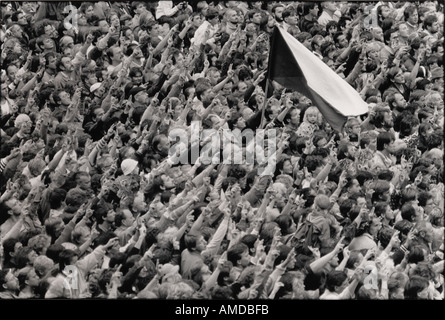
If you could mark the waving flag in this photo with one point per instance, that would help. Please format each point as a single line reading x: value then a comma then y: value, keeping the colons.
x: 295, y: 67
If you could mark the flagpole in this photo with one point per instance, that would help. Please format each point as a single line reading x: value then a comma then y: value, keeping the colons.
x: 267, y: 80
x: 265, y: 103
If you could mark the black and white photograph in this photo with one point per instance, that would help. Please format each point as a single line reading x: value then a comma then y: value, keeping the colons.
x: 238, y: 152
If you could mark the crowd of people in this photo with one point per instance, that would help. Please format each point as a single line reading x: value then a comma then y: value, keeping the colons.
x: 94, y: 205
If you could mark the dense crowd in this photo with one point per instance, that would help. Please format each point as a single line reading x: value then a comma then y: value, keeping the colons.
x: 95, y: 204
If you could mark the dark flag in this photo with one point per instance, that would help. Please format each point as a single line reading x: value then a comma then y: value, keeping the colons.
x: 295, y: 67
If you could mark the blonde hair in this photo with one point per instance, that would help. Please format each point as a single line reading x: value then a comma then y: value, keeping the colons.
x: 311, y: 110
x: 180, y: 290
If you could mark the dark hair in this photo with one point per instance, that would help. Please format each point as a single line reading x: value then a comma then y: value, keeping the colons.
x: 415, y: 285
x: 3, y: 274
x: 384, y: 236
x: 234, y: 253
x: 304, y: 8
x: 409, y: 11
x: 429, y: 20
x: 408, y: 212
x: 56, y: 198
x: 384, y: 138
x: 191, y: 239
x: 416, y: 255
x: 284, y: 221
x: 334, y: 279
x: 8, y: 248
x: 53, y: 252
x: 65, y: 258
x: 249, y: 240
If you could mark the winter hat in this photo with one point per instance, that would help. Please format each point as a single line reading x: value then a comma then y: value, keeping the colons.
x: 128, y: 165
x: 95, y: 86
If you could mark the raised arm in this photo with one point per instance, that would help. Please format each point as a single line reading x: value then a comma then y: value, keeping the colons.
x: 318, y: 265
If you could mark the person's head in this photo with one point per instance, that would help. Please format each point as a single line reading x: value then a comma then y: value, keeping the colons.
x: 80, y: 235
x: 212, y: 16
x: 415, y: 255
x: 434, y: 99
x: 346, y: 150
x: 305, y: 38
x: 4, y: 90
x: 396, y: 284
x: 196, y: 19
x: 309, y: 9
x: 28, y: 278
x: 105, y: 215
x: 385, y: 142
x: 277, y: 12
x: 24, y: 123
x: 336, y: 281
x: 115, y: 54
x: 289, y: 16
x: 16, y: 30
x: 19, y: 17
x: 426, y: 201
x: 13, y: 206
x: 43, y: 265
x: 67, y: 257
x: 25, y: 257
x: 39, y: 243
x: 411, y: 15
x: 8, y: 281
x: 161, y: 144
x: 397, y: 101
x: 366, y: 293
x: 136, y: 76
x: 408, y: 212
x: 284, y: 166
x: 65, y: 65
x: 377, y: 33
x: 416, y: 288
x: 51, y: 61
x: 238, y: 255
x: 396, y: 75
x: 311, y: 115
x: 231, y: 16
x: 317, y: 42
x: 10, y: 247
x: 332, y: 27
x: 286, y: 224
x: 195, y: 242
x: 431, y: 24
x: 12, y: 45
x: 409, y: 195
x: 352, y: 127
x: 54, y: 227
x: 403, y: 30
x: 408, y: 125
x: 62, y: 98
x: 321, y: 203
x: 103, y: 26
x: 11, y: 71
x: 236, y: 121
x: 204, y: 93
x: 425, y: 231
x: 213, y: 75
x: 83, y: 180
x: 383, y: 209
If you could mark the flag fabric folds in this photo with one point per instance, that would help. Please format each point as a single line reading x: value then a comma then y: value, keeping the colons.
x: 295, y: 67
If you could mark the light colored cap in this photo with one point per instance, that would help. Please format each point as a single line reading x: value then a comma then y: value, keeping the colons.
x: 128, y: 165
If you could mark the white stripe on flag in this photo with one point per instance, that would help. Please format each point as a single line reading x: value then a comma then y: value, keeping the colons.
x: 324, y: 81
